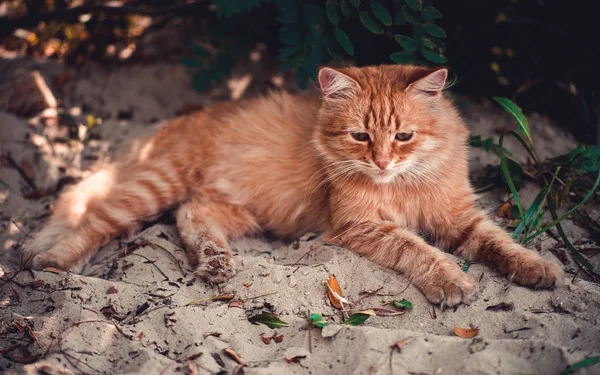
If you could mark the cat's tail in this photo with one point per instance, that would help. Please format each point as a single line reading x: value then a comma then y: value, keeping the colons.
x: 114, y: 200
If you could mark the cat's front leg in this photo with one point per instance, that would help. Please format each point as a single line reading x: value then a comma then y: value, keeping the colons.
x: 482, y: 241
x: 391, y: 246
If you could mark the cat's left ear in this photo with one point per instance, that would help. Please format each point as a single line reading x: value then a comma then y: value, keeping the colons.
x: 431, y: 85
x: 336, y: 85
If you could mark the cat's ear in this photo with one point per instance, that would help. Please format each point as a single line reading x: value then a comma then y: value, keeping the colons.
x: 336, y: 85
x: 430, y: 85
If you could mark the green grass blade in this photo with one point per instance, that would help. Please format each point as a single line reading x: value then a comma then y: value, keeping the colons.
x: 534, y: 210
x: 524, y: 143
x: 581, y: 364
x: 568, y: 213
x: 508, y: 178
x: 517, y: 113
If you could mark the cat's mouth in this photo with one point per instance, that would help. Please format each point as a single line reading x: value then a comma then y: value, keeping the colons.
x: 383, y: 176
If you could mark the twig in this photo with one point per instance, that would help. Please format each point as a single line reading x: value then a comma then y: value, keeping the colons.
x: 365, y: 297
x: 153, y: 262
x: 309, y: 334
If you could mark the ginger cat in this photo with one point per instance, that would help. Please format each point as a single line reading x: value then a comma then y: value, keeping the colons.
x: 380, y: 157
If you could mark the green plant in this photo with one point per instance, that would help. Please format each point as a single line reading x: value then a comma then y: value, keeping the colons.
x: 561, y: 177
x: 313, y: 32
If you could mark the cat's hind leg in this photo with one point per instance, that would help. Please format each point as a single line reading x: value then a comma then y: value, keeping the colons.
x: 205, y: 223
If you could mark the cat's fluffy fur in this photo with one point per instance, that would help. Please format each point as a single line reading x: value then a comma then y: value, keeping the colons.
x: 292, y: 164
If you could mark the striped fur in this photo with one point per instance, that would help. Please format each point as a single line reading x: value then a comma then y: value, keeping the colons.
x: 291, y: 164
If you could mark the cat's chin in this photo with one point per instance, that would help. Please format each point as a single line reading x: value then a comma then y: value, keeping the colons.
x: 383, y: 178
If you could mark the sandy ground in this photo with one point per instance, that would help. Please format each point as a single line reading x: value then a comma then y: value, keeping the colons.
x: 129, y: 312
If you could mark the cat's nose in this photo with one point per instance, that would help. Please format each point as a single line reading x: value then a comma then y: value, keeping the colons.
x: 382, y: 164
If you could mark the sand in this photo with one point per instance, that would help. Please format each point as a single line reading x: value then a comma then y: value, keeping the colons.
x: 129, y: 312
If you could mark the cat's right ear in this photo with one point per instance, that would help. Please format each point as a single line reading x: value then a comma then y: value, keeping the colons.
x: 336, y: 85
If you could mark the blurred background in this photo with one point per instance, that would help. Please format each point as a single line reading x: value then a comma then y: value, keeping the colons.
x: 543, y: 54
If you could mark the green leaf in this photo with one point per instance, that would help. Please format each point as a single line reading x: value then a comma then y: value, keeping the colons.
x: 333, y: 12
x: 581, y: 364
x: 317, y: 320
x: 399, y: 19
x: 333, y: 49
x: 344, y: 41
x: 466, y: 266
x: 381, y: 13
x: 404, y: 304
x: 433, y: 43
x: 288, y: 12
x: 314, y: 17
x: 290, y: 35
x: 413, y: 4
x: 370, y: 22
x: 301, y: 79
x: 568, y: 213
x: 410, y: 16
x: 535, y: 209
x: 507, y: 177
x: 355, y: 3
x: 408, y: 43
x: 201, y: 80
x: 190, y: 62
x: 198, y: 51
x: 433, y: 56
x: 297, y: 56
x: 313, y: 60
x: 435, y: 30
x: 517, y: 113
x: 359, y: 318
x: 347, y: 9
x: 402, y: 57
x: 268, y: 319
x: 430, y: 13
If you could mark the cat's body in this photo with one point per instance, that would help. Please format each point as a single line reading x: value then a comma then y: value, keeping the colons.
x: 381, y: 157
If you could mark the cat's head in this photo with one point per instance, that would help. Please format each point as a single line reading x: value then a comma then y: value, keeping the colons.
x: 383, y: 122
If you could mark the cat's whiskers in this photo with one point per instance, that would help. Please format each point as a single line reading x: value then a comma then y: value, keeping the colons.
x: 335, y: 174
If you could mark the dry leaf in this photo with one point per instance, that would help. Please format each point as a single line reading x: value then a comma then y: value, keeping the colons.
x: 213, y: 334
x: 504, y: 211
x: 277, y: 338
x: 140, y: 336
x: 28, y: 169
x: 53, y: 270
x: 502, y: 306
x: 112, y: 290
x: 25, y: 359
x: 247, y: 285
x: 266, y: 340
x: 195, y: 356
x: 295, y: 359
x: 334, y: 292
x: 466, y: 333
x: 380, y: 311
x: 236, y: 303
x: 38, y: 283
x: 233, y: 355
x: 398, y: 345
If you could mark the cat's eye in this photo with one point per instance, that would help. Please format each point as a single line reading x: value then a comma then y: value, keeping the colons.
x: 362, y: 137
x: 403, y: 137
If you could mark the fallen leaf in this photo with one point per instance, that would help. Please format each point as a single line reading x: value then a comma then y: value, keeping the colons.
x: 18, y: 326
x: 38, y: 283
x: 359, y: 317
x: 247, y: 285
x: 466, y: 333
x: 28, y: 169
x: 504, y: 211
x: 195, y: 356
x: 266, y: 340
x: 213, y: 334
x: 317, y: 320
x: 295, y: 359
x: 218, y: 359
x: 404, y: 304
x: 268, y: 319
x: 109, y: 312
x: 233, y: 355
x: 53, y: 270
x: 386, y: 312
x: 398, y: 345
x: 334, y: 292
x: 236, y: 303
x: 277, y: 338
x: 140, y: 336
x: 26, y: 359
x: 502, y: 306
x: 112, y: 290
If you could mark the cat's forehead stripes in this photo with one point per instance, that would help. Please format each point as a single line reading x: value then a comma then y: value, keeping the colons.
x: 381, y: 113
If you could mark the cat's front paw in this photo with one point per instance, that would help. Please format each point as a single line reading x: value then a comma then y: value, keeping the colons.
x: 448, y: 285
x: 55, y: 260
x: 527, y: 269
x: 216, y: 265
